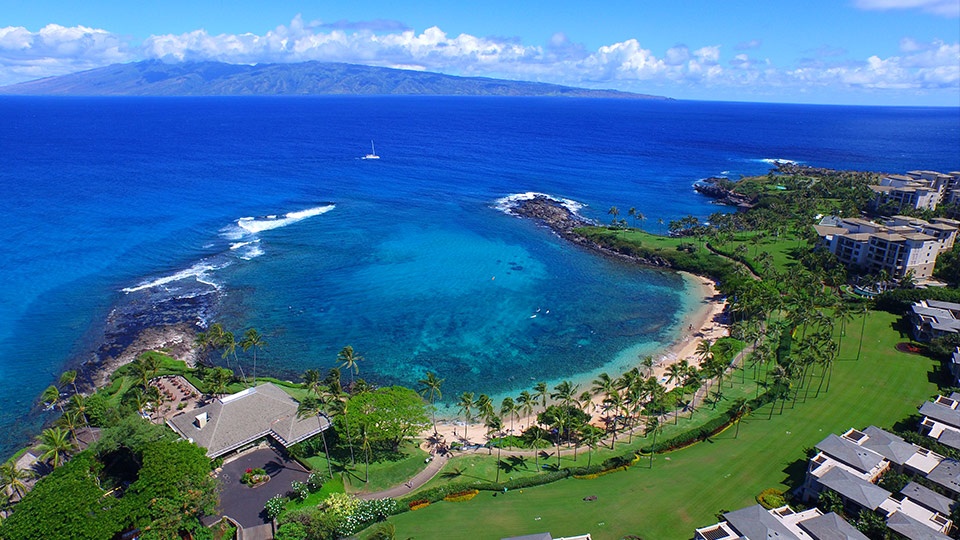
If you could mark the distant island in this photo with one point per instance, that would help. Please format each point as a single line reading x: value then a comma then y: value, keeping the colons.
x: 156, y: 78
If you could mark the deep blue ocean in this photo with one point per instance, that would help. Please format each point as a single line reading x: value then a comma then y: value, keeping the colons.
x: 117, y: 209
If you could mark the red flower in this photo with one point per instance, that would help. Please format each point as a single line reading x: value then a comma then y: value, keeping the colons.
x: 249, y: 471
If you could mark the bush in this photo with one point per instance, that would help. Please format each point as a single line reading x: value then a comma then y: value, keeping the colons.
x: 461, y: 496
x: 254, y: 476
x: 274, y: 506
x: 315, y: 482
x: 300, y: 490
x: 771, y: 498
x: 291, y: 531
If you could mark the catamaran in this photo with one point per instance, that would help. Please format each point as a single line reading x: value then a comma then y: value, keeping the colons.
x: 373, y: 152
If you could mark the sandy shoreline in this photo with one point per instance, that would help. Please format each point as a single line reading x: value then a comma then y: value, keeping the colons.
x: 698, y: 325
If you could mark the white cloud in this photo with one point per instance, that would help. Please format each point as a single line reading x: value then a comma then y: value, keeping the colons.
x: 943, y: 8
x: 57, y: 50
x: 627, y: 65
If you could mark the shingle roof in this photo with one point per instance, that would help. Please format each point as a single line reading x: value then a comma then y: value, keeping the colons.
x: 755, y: 523
x: 244, y: 417
x: 950, y: 438
x: 927, y: 497
x: 850, y: 453
x: 913, y: 529
x: 854, y: 488
x: 946, y: 474
x: 888, y: 445
x: 941, y: 413
x: 831, y: 527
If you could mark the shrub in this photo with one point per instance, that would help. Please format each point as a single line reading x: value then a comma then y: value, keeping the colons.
x: 461, y: 496
x: 274, y: 506
x: 315, y: 482
x: 300, y: 490
x: 254, y: 476
x: 771, y: 498
x: 418, y: 504
x: 291, y: 531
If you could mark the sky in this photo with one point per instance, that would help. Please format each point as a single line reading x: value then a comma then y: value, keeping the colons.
x: 869, y: 52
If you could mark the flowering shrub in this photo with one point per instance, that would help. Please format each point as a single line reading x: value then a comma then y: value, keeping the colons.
x: 315, y: 482
x: 592, y: 476
x: 366, y: 513
x: 461, y: 496
x: 274, y: 506
x: 418, y: 504
x: 300, y: 490
x: 253, y: 477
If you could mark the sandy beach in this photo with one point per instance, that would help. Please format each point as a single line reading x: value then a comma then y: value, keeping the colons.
x: 700, y: 324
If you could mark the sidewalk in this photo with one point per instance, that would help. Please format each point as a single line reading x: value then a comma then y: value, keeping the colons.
x: 420, y: 479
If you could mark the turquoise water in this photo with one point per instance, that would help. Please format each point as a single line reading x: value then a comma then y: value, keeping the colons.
x: 127, y: 212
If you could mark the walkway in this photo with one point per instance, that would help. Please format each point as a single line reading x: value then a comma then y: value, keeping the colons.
x: 414, y: 483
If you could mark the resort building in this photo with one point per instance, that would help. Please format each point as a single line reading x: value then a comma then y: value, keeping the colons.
x: 919, y: 190
x: 900, y: 246
x: 240, y: 420
x: 941, y: 420
x: 932, y: 319
x: 757, y: 523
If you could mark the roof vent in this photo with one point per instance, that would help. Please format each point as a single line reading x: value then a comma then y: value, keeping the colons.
x: 200, y: 420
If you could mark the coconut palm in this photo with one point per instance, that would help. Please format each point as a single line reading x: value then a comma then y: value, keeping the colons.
x: 565, y: 392
x: 613, y: 402
x: 526, y: 403
x: 741, y: 408
x: 535, y: 443
x: 484, y: 407
x: 466, y: 405
x: 614, y: 211
x: 313, y: 406
x: 654, y: 427
x: 69, y: 377
x: 349, y: 360
x: 11, y: 478
x: 509, y: 409
x: 51, y: 397
x: 253, y: 339
x: 55, y: 445
x: 590, y: 437
x: 430, y: 389
x: 705, y: 350
x: 540, y: 393
x: 217, y: 380
x: 311, y: 381
x: 78, y: 405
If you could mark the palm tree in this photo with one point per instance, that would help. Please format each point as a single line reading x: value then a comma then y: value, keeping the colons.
x: 365, y: 446
x: 465, y: 406
x: 615, y: 402
x: 526, y: 403
x: 349, y: 360
x: 614, y: 211
x: 863, y: 327
x: 55, y: 445
x: 340, y: 404
x: 69, y: 377
x: 51, y: 397
x: 653, y: 426
x: 660, y: 223
x: 430, y: 386
x: 78, y: 405
x: 12, y: 478
x: 741, y: 409
x: 565, y: 393
x: 313, y: 406
x: 540, y: 392
x: 590, y: 437
x: 508, y: 409
x: 311, y: 381
x: 217, y: 380
x: 535, y: 442
x: 253, y: 338
x: 647, y: 364
x: 705, y: 350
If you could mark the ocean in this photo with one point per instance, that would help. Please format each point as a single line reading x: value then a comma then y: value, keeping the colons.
x: 259, y: 212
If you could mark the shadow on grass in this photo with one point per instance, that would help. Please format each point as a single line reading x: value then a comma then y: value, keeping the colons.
x: 796, y: 472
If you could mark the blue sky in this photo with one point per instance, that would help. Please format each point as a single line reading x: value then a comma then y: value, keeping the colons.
x: 874, y: 52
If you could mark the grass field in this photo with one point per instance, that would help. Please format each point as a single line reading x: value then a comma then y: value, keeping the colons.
x: 687, y: 488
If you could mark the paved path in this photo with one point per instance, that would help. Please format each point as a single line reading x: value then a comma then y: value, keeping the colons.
x: 420, y: 479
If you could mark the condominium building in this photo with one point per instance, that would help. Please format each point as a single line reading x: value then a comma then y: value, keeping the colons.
x: 899, y: 246
x: 920, y: 190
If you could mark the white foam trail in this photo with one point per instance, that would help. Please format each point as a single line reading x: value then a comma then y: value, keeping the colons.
x: 508, y: 203
x: 256, y: 225
x: 198, y: 272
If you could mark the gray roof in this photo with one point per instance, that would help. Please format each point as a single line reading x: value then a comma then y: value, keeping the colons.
x: 946, y: 474
x: 927, y: 497
x: 831, y: 527
x: 889, y: 445
x: 950, y: 438
x: 756, y: 523
x: 941, y: 413
x: 913, y: 529
x: 854, y: 488
x: 850, y: 453
x: 247, y: 416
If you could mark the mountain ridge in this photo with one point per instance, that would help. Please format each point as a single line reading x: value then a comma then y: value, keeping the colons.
x: 207, y: 78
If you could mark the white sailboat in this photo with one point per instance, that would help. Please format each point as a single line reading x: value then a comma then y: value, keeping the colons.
x: 373, y: 152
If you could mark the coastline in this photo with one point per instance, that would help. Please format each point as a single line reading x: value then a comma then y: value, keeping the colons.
x: 705, y: 321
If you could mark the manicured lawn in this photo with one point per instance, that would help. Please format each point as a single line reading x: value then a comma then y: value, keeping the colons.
x: 685, y: 489
x: 383, y: 474
x: 782, y: 249
x: 330, y: 486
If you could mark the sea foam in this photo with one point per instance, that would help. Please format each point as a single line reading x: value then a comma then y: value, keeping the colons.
x: 510, y: 202
x: 256, y: 225
x: 199, y: 271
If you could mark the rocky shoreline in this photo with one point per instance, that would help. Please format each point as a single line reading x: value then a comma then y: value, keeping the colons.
x: 560, y: 219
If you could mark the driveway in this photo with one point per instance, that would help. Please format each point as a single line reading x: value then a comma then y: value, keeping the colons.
x: 245, y: 504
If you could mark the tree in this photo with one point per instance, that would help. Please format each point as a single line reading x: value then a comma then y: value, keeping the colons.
x: 465, y: 406
x: 540, y: 393
x: 253, y: 339
x: 311, y: 381
x: 69, y: 377
x: 175, y: 479
x: 430, y: 389
x: 741, y: 408
x: 509, y: 408
x: 55, y: 445
x: 12, y: 478
x: 654, y: 427
x: 350, y: 361
x: 614, y: 211
x: 217, y: 380
x: 313, y: 406
x: 388, y: 416
x: 51, y: 397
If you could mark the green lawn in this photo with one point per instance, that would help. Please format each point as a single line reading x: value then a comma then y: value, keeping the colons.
x: 383, y: 474
x: 685, y: 489
x: 783, y: 250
